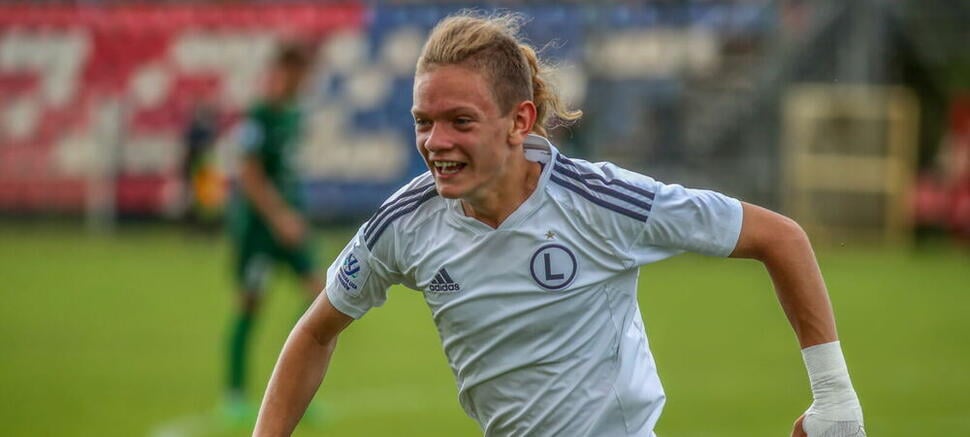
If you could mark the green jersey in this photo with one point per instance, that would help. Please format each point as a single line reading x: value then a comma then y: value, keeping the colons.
x: 272, y: 134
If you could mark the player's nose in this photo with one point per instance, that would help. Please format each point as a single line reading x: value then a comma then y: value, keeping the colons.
x: 438, y: 139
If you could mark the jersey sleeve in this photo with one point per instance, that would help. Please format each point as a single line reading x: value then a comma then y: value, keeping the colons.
x: 685, y: 219
x: 358, y: 280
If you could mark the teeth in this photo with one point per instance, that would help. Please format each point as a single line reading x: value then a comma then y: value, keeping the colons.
x: 447, y: 167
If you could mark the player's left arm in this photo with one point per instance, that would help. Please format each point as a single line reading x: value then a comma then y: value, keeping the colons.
x: 784, y: 248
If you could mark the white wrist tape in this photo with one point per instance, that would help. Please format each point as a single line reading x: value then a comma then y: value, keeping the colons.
x: 836, y: 405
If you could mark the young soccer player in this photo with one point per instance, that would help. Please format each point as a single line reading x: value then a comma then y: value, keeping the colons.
x: 528, y: 260
x: 266, y: 215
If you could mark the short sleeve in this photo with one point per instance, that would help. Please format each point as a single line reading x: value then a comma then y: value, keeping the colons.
x: 250, y: 136
x: 358, y: 281
x: 684, y: 219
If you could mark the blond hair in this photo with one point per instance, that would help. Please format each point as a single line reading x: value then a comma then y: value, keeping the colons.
x: 490, y: 44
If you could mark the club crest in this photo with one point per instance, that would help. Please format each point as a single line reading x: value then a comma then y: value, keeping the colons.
x: 553, y: 266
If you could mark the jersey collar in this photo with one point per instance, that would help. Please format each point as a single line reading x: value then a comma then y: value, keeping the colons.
x: 537, y: 149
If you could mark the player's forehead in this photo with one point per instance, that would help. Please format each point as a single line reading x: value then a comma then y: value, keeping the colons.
x: 452, y: 88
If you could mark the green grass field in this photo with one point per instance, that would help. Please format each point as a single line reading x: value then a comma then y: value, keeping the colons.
x: 123, y: 336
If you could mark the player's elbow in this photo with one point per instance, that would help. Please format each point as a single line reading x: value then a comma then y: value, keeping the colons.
x: 767, y: 235
x: 251, y: 177
x: 789, y: 229
x: 785, y: 236
x: 319, y: 338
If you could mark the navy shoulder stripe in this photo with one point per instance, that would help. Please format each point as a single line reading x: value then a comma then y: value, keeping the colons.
x: 617, y: 194
x: 391, y: 214
x: 613, y: 194
x: 391, y: 205
x: 593, y: 198
x: 594, y: 176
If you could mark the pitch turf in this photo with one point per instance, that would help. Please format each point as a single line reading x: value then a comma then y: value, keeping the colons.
x: 122, y: 336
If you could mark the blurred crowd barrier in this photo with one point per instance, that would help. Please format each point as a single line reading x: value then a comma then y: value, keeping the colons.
x: 96, y: 100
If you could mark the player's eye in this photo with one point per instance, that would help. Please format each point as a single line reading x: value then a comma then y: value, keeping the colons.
x: 463, y: 122
x: 421, y: 123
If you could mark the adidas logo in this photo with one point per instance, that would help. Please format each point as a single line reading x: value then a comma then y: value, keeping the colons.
x: 443, y: 282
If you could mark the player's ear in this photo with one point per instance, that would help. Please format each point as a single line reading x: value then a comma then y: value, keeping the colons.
x: 523, y: 120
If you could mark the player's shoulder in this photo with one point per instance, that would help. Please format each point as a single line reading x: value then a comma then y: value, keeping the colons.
x: 603, y: 188
x: 421, y: 184
x: 408, y: 206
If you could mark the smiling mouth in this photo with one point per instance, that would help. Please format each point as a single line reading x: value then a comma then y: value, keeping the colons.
x: 448, y: 168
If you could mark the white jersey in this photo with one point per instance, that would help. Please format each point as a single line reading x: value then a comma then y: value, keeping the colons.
x: 539, y: 317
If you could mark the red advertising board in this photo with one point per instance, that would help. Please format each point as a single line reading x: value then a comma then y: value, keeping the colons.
x: 101, y: 90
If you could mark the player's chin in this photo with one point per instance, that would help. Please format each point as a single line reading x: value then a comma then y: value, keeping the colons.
x: 450, y: 186
x: 448, y: 190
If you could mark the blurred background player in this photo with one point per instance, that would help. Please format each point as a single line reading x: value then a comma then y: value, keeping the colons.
x: 266, y: 218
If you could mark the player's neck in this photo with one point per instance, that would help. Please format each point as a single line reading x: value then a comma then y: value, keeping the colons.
x: 499, y: 202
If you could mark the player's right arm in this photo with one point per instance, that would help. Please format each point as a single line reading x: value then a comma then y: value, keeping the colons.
x: 356, y: 282
x: 301, y: 368
x: 287, y: 225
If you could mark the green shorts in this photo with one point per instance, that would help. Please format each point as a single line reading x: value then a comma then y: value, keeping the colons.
x: 256, y: 252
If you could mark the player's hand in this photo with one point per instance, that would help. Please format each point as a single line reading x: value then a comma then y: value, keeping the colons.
x: 289, y: 228
x: 797, y: 430
x: 847, y: 423
x: 835, y: 409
